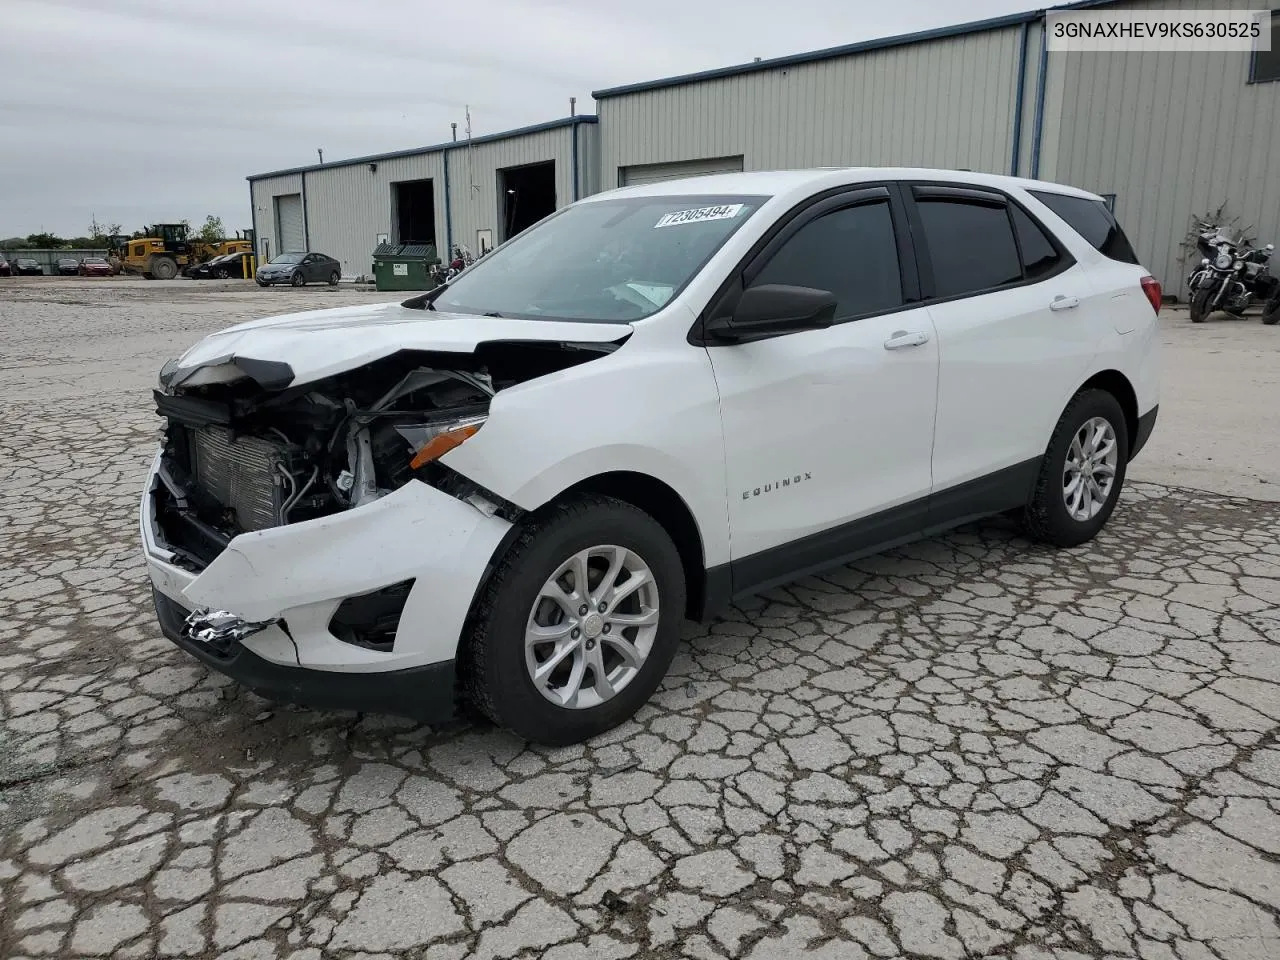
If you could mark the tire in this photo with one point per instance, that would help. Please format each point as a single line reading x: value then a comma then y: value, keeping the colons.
x: 1200, y: 304
x: 222, y: 273
x: 334, y: 278
x: 163, y: 268
x: 297, y: 280
x: 495, y: 665
x: 1047, y: 518
x: 1271, y: 312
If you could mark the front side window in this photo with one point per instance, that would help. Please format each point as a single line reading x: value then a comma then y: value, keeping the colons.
x: 612, y: 261
x: 971, y: 245
x: 850, y: 253
x: 287, y: 258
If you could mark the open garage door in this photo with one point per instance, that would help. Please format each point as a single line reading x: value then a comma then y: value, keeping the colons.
x: 653, y: 172
x: 289, y: 226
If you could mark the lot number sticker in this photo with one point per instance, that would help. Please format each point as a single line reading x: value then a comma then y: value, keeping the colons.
x: 723, y: 212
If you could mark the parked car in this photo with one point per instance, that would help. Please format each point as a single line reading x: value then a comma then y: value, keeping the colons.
x: 94, y: 267
x: 68, y: 267
x: 5, y: 269
x: 228, y: 266
x: 657, y: 400
x: 299, y: 269
x: 26, y: 267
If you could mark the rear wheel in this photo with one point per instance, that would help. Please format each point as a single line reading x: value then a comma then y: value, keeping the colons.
x: 222, y: 273
x: 164, y: 268
x: 297, y: 279
x: 1082, y: 473
x: 1200, y: 303
x: 578, y: 624
x: 334, y: 278
x: 1271, y: 312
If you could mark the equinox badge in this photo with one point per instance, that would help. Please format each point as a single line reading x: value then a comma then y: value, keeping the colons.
x: 776, y: 485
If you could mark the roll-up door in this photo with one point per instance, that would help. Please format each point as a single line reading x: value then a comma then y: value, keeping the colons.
x: 289, y: 223
x: 654, y: 172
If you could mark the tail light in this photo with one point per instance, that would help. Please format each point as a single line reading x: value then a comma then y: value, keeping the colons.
x: 1151, y: 287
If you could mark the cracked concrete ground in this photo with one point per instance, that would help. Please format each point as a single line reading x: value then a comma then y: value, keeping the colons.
x: 971, y: 747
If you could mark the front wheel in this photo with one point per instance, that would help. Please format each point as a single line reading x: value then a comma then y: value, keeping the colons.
x: 297, y: 280
x: 1082, y: 473
x: 1200, y: 303
x: 579, y: 623
x: 163, y: 268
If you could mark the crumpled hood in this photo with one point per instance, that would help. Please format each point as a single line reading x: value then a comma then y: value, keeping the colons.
x: 300, y: 348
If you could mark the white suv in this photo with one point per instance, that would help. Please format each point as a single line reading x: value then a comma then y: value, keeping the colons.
x: 512, y: 490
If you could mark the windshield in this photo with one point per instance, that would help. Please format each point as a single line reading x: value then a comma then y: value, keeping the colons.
x: 610, y: 260
x: 286, y: 258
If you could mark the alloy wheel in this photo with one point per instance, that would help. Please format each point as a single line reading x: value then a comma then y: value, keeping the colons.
x: 1089, y: 473
x: 592, y: 626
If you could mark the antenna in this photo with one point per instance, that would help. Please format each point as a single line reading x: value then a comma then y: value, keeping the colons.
x: 471, y: 171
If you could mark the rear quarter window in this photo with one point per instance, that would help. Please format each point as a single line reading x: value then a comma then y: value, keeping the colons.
x: 1093, y: 221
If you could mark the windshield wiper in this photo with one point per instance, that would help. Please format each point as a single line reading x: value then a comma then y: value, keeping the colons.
x: 492, y: 313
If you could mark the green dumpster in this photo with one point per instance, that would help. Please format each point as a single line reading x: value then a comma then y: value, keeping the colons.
x: 404, y: 266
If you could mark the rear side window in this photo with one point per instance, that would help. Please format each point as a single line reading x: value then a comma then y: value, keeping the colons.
x: 1039, y: 258
x: 1093, y: 221
x: 850, y: 252
x: 971, y: 245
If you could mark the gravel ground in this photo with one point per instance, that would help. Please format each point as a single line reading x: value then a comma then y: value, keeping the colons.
x: 972, y: 747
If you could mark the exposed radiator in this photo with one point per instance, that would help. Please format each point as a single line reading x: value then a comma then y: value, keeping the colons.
x: 243, y: 475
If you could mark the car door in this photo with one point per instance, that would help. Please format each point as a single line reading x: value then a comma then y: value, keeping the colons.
x: 1010, y: 308
x: 308, y: 267
x: 828, y: 432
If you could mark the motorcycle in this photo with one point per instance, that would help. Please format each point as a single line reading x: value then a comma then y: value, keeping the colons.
x: 1232, y: 276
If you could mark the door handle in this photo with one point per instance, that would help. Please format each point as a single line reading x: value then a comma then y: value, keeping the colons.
x: 1064, y: 303
x: 901, y: 338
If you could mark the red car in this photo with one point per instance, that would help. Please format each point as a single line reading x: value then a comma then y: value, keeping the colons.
x: 94, y: 267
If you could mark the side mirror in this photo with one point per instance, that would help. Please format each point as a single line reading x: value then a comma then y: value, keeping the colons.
x: 775, y: 308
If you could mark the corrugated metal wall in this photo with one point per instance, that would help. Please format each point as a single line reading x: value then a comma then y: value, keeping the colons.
x: 946, y: 102
x: 262, y: 194
x: 1171, y: 135
x: 473, y: 178
x: 348, y: 207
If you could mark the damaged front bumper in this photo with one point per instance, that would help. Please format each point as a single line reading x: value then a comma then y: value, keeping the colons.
x: 265, y: 610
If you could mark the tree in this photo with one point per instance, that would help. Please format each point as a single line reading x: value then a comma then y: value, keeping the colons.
x: 100, y: 234
x: 45, y: 241
x: 213, y: 230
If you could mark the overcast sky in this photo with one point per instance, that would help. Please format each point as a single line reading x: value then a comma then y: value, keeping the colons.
x: 140, y: 111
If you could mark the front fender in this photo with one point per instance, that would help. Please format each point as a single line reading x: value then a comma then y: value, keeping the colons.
x: 650, y: 407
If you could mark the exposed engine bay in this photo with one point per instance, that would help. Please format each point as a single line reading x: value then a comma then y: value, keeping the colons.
x: 238, y: 457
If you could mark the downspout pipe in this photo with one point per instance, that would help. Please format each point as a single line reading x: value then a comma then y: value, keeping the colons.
x: 306, y: 226
x: 448, y: 212
x: 1040, y: 93
x: 1020, y: 99
x: 573, y: 151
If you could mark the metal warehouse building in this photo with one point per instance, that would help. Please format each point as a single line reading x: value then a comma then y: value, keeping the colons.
x: 476, y: 192
x: 1167, y: 135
